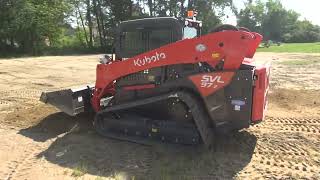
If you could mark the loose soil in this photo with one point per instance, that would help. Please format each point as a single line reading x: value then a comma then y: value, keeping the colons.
x: 39, y: 142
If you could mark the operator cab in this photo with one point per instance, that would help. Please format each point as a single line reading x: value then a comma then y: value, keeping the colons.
x: 142, y: 35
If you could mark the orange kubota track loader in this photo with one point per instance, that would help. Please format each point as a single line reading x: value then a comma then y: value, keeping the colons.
x: 168, y: 82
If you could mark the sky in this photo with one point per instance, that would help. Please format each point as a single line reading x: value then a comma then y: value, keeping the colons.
x: 309, y: 9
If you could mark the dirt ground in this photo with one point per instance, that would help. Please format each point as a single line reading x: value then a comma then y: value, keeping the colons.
x: 39, y: 142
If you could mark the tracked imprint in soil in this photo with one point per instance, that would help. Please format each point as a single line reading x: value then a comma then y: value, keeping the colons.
x: 287, y: 147
x: 24, y: 94
x: 17, y: 98
x: 20, y: 167
x: 28, y: 154
x: 21, y: 157
x: 304, y: 125
x: 114, y: 156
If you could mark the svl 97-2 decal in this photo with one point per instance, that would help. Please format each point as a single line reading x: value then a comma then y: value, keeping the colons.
x: 211, y: 82
x: 208, y: 81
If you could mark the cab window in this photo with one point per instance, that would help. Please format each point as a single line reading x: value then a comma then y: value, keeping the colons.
x: 139, y: 41
x: 158, y: 38
x: 133, y: 42
x: 189, y: 32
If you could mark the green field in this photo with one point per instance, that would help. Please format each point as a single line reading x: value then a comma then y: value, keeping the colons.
x: 293, y: 48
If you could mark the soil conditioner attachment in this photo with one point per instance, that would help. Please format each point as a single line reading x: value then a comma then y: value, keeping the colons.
x: 167, y: 82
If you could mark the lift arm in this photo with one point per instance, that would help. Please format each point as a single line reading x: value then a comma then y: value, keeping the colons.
x: 230, y: 46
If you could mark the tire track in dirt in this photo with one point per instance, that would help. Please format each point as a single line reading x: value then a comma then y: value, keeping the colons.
x: 12, y: 99
x: 19, y: 97
x: 19, y: 154
x: 292, y: 120
x: 29, y: 155
x: 104, y: 155
x: 25, y: 94
x: 288, y: 156
x: 286, y: 148
x: 20, y: 167
x: 295, y: 128
x: 295, y: 125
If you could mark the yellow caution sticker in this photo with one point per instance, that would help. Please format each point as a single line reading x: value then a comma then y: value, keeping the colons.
x: 151, y: 78
x: 215, y: 55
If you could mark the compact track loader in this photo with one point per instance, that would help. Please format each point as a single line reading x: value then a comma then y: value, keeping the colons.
x: 168, y: 82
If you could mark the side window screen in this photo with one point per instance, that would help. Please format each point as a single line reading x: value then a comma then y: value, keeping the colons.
x: 158, y: 38
x: 133, y: 42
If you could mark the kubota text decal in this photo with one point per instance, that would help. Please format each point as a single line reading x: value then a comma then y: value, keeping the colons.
x: 148, y: 60
x: 211, y: 82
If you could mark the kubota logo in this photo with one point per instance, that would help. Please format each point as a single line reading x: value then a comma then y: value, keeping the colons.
x: 208, y: 81
x: 147, y: 60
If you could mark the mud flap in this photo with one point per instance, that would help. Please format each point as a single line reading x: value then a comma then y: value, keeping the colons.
x: 70, y: 101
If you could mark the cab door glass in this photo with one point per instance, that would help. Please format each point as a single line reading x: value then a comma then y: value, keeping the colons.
x: 189, y: 32
x: 159, y: 37
x: 133, y: 42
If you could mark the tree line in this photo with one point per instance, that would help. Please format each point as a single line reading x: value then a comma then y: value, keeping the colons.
x: 276, y: 23
x: 38, y: 27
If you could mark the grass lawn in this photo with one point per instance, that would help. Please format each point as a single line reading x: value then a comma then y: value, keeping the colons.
x: 293, y: 48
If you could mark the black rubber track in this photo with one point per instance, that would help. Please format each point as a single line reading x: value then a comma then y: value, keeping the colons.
x: 200, y: 116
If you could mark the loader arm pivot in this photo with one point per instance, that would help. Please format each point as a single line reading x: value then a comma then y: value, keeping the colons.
x: 228, y: 46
